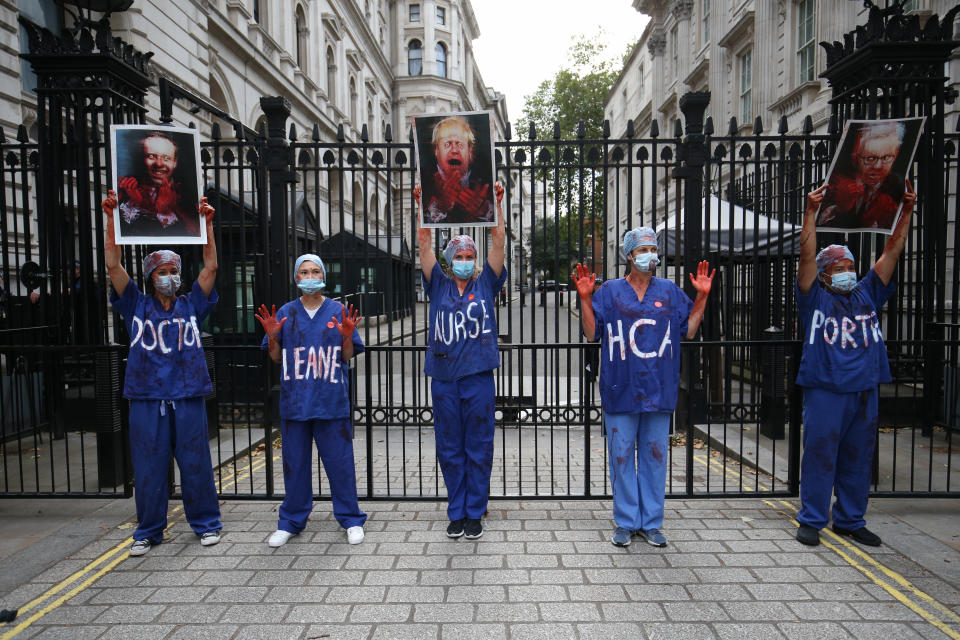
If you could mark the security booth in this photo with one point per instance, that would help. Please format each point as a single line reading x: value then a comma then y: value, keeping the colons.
x: 375, y: 275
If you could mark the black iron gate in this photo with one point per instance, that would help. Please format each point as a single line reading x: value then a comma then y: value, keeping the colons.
x: 734, y: 199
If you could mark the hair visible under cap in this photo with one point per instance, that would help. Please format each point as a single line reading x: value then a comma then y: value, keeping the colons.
x: 457, y: 244
x: 162, y: 256
x: 638, y: 237
x: 309, y: 257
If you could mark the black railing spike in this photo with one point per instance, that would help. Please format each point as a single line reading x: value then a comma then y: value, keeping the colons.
x: 315, y: 136
x: 733, y: 128
x: 757, y: 126
x: 340, y: 135
x: 630, y: 131
x: 192, y: 124
x: 677, y: 128
x: 364, y: 134
x: 263, y: 129
x: 293, y: 132
x: 215, y: 131
x: 958, y: 125
x: 708, y: 126
x: 3, y: 136
x: 581, y: 129
x: 508, y: 133
x: 606, y: 128
x: 556, y: 129
x: 807, y: 125
x: 834, y: 126
x: 782, y: 129
x: 532, y: 132
x: 388, y: 134
x: 654, y: 129
x: 410, y: 134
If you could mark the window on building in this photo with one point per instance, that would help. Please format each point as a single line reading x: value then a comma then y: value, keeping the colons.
x: 415, y: 58
x: 441, y: 15
x: 353, y: 101
x: 256, y: 10
x: 331, y: 75
x: 441, y: 60
x: 675, y: 52
x: 370, y: 129
x: 301, y: 22
x: 45, y: 13
x: 911, y: 5
x: 640, y: 80
x: 806, y: 41
x: 415, y: 13
x: 745, y: 83
x: 705, y: 22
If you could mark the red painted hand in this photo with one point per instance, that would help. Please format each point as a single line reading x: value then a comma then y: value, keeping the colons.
x: 268, y: 320
x: 702, y: 282
x: 348, y: 322
x: 584, y: 280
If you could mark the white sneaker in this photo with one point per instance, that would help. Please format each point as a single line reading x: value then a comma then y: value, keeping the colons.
x: 279, y: 538
x: 355, y: 535
x: 140, y: 547
x: 210, y: 538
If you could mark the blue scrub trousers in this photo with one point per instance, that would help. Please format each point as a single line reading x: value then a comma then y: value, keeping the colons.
x: 334, y: 441
x: 157, y: 429
x: 639, y: 451
x: 839, y: 435
x: 463, y: 418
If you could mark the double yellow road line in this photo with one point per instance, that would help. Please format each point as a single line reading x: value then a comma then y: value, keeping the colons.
x: 905, y: 592
x: 80, y: 580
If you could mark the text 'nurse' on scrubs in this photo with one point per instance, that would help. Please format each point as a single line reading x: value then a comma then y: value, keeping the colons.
x: 461, y: 355
x: 640, y: 320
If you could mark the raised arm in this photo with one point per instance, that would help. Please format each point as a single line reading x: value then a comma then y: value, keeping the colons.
x: 268, y: 320
x: 209, y: 272
x: 346, y: 326
x: 702, y: 283
x: 498, y: 236
x: 585, y: 282
x: 424, y: 243
x: 887, y: 261
x: 807, y: 271
x: 111, y: 252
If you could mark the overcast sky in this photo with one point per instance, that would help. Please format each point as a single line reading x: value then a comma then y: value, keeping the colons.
x: 523, y: 42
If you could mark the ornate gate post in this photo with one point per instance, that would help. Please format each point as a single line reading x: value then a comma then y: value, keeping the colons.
x: 893, y: 67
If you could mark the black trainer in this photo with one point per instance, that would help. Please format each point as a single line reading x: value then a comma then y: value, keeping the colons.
x: 861, y: 535
x: 473, y: 528
x: 455, y: 528
x: 808, y: 535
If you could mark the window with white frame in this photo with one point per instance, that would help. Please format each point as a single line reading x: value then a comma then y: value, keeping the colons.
x: 415, y: 13
x: 415, y: 58
x: 704, y: 22
x: 441, y: 54
x: 745, y: 85
x: 441, y: 15
x: 331, y: 75
x: 675, y: 51
x: 806, y: 41
x: 640, y: 80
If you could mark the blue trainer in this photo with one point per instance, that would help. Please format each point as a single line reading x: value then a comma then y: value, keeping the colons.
x: 621, y: 537
x: 653, y: 536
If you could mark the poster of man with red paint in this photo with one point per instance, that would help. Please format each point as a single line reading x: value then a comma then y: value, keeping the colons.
x: 455, y: 155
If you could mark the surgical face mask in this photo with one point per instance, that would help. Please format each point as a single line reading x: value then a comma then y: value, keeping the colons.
x: 311, y: 285
x: 167, y: 285
x: 646, y: 261
x: 843, y: 282
x: 463, y: 269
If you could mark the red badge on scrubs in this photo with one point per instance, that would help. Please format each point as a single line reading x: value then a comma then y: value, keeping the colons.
x: 330, y: 325
x: 658, y: 304
x: 470, y: 297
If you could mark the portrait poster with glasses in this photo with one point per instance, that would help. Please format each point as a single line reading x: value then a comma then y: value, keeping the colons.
x: 866, y: 179
x: 156, y: 174
x: 456, y: 166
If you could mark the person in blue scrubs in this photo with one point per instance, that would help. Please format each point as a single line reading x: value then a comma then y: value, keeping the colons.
x: 844, y: 360
x: 166, y: 380
x: 639, y: 320
x: 313, y: 339
x: 461, y: 355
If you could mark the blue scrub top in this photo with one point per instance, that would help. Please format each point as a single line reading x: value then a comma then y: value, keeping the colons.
x: 314, y: 379
x: 640, y: 345
x: 166, y: 360
x: 843, y: 348
x: 462, y: 328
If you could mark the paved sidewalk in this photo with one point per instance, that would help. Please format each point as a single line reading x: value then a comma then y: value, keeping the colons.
x: 543, y: 569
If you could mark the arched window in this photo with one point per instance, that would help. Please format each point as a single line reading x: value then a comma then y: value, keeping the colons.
x: 415, y: 58
x: 370, y: 119
x: 353, y: 101
x: 441, y: 60
x: 331, y: 76
x: 302, y: 33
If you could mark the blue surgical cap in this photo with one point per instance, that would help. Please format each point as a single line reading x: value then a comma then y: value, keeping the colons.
x: 639, y: 237
x: 312, y: 257
x: 831, y: 254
